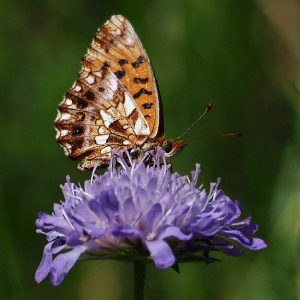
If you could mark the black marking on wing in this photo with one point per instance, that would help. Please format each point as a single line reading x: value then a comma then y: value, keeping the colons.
x: 138, y: 62
x: 79, y: 102
x: 123, y: 62
x: 140, y: 92
x: 120, y: 74
x: 140, y: 80
x: 105, y: 65
x: 77, y: 130
x: 90, y: 95
x: 147, y: 105
x: 117, y: 126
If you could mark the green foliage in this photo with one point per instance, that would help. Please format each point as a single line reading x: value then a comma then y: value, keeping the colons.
x: 224, y: 52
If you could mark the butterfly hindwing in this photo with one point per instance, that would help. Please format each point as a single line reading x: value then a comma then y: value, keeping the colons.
x: 98, y: 115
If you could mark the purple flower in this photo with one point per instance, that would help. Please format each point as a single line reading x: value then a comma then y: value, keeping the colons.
x: 139, y: 212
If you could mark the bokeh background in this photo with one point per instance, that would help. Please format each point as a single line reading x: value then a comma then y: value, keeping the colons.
x: 243, y: 56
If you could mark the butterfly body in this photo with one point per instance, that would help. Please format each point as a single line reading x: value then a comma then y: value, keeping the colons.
x: 115, y: 102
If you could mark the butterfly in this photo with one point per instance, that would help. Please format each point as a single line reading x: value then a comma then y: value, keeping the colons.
x: 115, y: 102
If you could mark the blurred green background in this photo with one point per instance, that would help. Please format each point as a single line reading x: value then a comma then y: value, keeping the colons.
x: 243, y: 56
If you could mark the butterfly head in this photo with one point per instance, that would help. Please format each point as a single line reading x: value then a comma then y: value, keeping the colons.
x: 172, y: 147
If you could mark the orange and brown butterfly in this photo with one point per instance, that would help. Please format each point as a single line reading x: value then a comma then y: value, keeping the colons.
x: 115, y: 102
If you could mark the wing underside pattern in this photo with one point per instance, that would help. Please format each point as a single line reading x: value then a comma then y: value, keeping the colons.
x: 114, y: 104
x: 96, y: 116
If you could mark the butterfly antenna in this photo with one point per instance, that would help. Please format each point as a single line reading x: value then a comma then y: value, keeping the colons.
x: 233, y: 134
x: 207, y: 109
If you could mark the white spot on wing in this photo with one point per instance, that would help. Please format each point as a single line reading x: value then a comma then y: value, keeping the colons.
x: 101, y: 139
x: 146, y: 130
x: 113, y: 112
x: 106, y: 150
x: 138, y: 126
x: 57, y: 133
x: 67, y: 148
x: 112, y: 83
x: 126, y: 142
x: 65, y: 116
x: 141, y: 128
x: 90, y: 79
x: 108, y: 119
x: 69, y: 102
x: 98, y: 73
x: 129, y: 105
x: 64, y: 132
x: 77, y: 88
x: 128, y: 40
x: 102, y: 130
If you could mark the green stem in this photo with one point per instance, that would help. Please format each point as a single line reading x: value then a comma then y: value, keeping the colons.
x: 139, y: 280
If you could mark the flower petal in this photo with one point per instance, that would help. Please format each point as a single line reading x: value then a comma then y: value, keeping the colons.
x: 45, y: 264
x: 73, y: 239
x: 258, y: 244
x: 153, y: 215
x: 232, y: 251
x: 247, y: 241
x: 63, y: 263
x: 173, y: 231
x: 105, y: 203
x: 161, y: 253
x: 126, y: 231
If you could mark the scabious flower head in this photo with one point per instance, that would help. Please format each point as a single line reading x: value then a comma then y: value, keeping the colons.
x: 135, y: 211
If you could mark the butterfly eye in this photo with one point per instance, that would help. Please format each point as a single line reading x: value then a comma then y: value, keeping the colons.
x: 167, y: 146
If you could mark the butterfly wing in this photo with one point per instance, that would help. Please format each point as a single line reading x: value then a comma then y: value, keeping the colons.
x: 115, y: 103
x: 117, y: 46
x: 96, y: 116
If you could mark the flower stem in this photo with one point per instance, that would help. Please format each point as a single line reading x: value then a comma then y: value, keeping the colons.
x: 139, y: 280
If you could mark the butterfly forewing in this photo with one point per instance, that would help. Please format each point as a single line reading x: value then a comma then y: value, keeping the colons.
x: 117, y: 47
